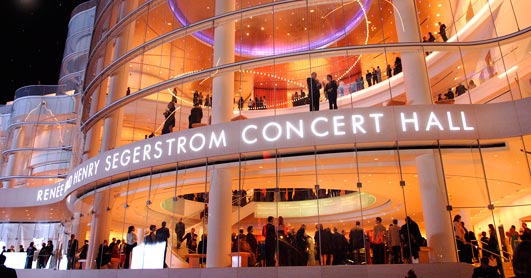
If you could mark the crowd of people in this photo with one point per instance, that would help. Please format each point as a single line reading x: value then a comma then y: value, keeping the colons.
x: 487, y: 250
x: 279, y: 246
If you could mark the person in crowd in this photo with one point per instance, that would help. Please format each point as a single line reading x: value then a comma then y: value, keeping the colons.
x: 485, y: 271
x: 467, y: 252
x: 30, y: 253
x: 128, y: 91
x: 378, y: 74
x: 131, y: 242
x: 361, y: 83
x: 377, y: 242
x: 179, y: 231
x: 112, y: 244
x: 242, y: 246
x: 115, y: 253
x: 71, y: 252
x: 269, y: 232
x: 6, y: 272
x: 240, y: 103
x: 104, y: 255
x: 411, y: 238
x: 191, y: 241
x: 174, y: 95
x: 459, y: 232
x: 411, y: 274
x: 507, y: 247
x: 368, y: 77
x: 196, y: 115
x: 325, y: 245
x: 21, y: 248
x: 442, y: 31
x: 514, y: 237
x: 250, y: 104
x: 331, y: 92
x: 162, y: 235
x: 460, y: 89
x: 397, y: 66
x: 169, y: 118
x: 83, y: 252
x: 301, y: 243
x: 49, y: 252
x: 389, y: 71
x: 431, y: 37
x: 150, y: 237
x: 314, y: 87
x: 251, y: 240
x: 394, y: 242
x: 484, y: 239
x: 522, y: 260
x: 282, y: 245
x: 196, y: 97
x: 41, y: 260
x: 494, y: 248
x: 357, y: 242
x: 340, y: 247
x: 202, y: 248
x: 449, y: 94
x: 207, y: 101
x: 475, y: 246
x: 374, y: 76
x: 264, y: 103
x: 525, y: 232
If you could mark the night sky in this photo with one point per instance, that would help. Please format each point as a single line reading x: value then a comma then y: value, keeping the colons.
x: 33, y: 38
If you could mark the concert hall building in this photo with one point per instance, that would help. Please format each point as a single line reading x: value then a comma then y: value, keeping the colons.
x: 206, y: 111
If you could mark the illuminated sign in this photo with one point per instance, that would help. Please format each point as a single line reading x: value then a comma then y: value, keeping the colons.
x: 343, y: 126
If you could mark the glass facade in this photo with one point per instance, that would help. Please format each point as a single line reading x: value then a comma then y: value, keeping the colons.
x: 152, y: 63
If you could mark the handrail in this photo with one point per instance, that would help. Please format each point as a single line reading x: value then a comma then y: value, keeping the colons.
x: 401, y: 46
x: 480, y: 248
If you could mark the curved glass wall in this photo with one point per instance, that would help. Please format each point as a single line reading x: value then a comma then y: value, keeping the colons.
x: 171, y: 58
x: 41, y: 131
x: 148, y: 54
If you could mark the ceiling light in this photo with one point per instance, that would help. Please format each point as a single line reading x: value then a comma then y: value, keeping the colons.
x: 312, y: 10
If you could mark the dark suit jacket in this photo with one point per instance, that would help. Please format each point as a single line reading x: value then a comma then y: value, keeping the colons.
x: 72, y: 247
x: 6, y: 272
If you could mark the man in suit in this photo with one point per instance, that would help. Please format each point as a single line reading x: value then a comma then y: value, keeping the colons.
x: 196, y: 114
x: 71, y: 252
x: 5, y: 271
x: 163, y: 233
x: 179, y: 230
x: 313, y: 87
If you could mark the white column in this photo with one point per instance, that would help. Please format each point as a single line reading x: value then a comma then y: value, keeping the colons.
x: 75, y: 226
x: 413, y: 63
x: 437, y: 222
x: 223, y: 83
x: 99, y: 225
x: 219, y: 218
